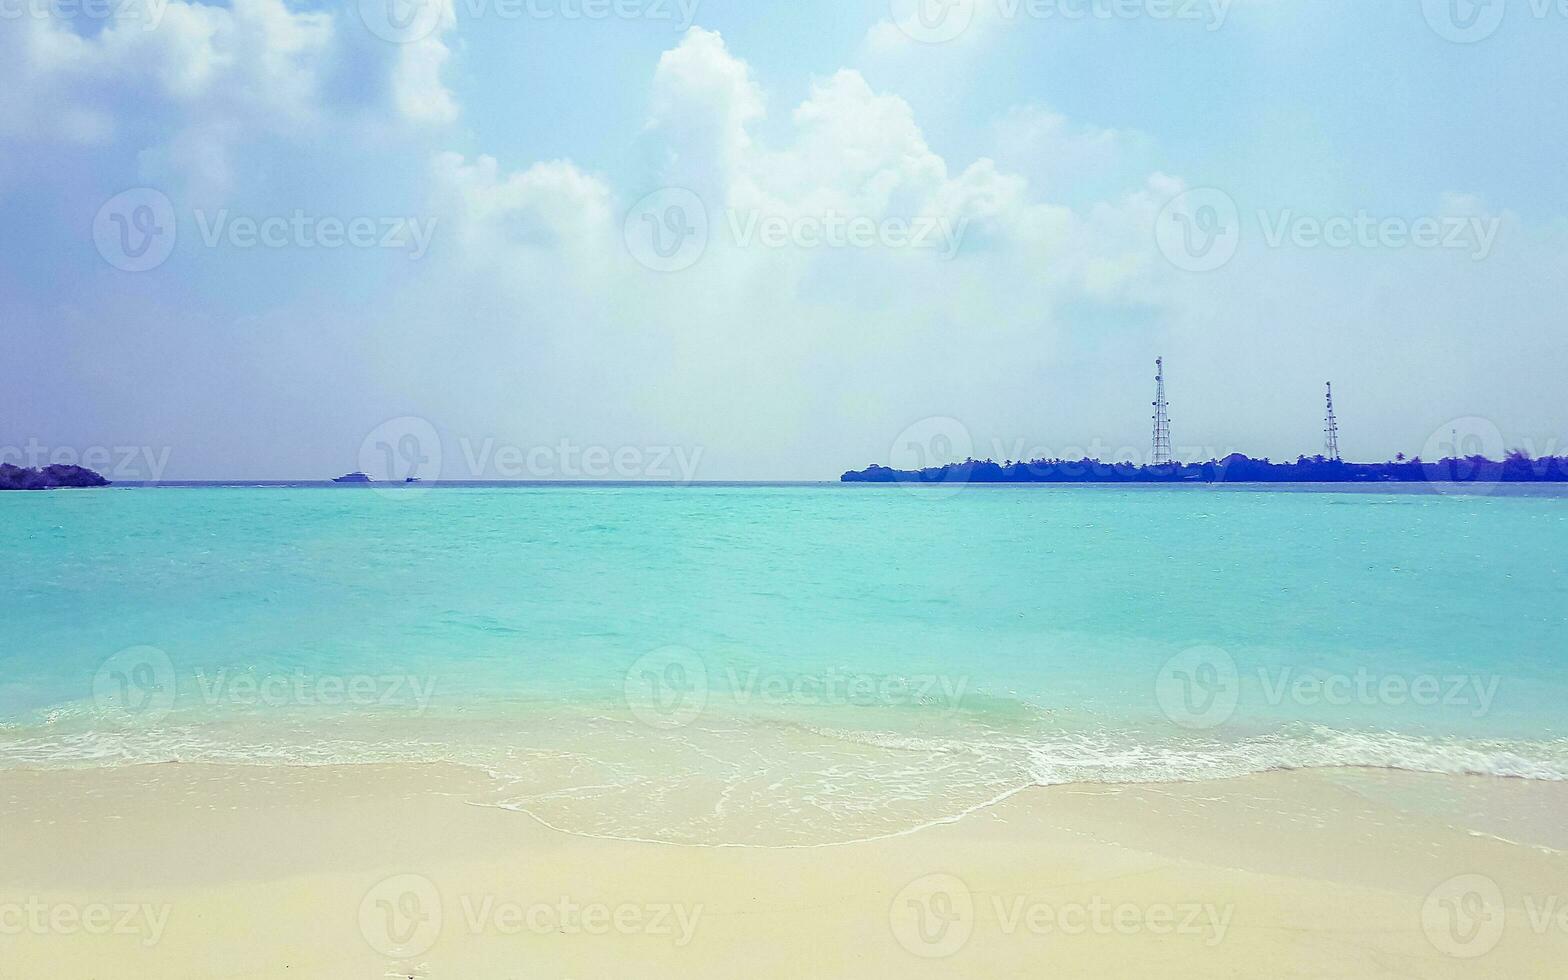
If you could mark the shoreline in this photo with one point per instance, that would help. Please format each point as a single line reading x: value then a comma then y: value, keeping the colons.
x: 1327, y: 772
x: 684, y: 794
x: 562, y: 790
x: 1547, y: 793
x: 308, y: 871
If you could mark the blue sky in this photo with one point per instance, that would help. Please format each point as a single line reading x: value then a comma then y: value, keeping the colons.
x: 1020, y: 191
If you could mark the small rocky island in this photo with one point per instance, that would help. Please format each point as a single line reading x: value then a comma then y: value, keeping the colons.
x: 48, y: 477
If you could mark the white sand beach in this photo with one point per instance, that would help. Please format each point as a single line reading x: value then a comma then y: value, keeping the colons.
x: 174, y: 871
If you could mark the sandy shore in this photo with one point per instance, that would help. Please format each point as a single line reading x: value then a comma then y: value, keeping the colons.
x: 180, y: 871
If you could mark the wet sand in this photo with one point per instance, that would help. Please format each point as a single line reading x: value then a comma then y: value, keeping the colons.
x: 174, y: 871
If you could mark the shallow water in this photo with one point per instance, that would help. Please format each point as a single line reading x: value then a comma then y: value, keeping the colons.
x: 793, y: 664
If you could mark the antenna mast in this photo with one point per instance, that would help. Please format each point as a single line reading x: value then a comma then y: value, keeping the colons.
x: 1162, y: 420
x: 1330, y: 426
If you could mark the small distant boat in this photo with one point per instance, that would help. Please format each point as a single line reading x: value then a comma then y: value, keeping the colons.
x: 355, y: 477
x: 410, y: 479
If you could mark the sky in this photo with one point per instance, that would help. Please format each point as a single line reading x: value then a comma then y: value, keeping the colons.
x: 734, y: 240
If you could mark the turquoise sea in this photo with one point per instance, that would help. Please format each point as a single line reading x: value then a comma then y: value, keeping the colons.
x: 787, y: 664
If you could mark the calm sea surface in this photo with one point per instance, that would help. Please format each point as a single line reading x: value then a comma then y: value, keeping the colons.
x: 790, y: 664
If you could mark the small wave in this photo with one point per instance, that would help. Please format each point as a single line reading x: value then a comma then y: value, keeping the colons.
x: 783, y: 785
x: 1110, y: 758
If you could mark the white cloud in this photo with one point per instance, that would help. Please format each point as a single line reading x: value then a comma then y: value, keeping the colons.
x: 703, y: 99
x: 552, y: 212
x: 850, y: 150
x: 855, y: 150
x: 186, y: 90
x: 730, y: 351
x: 418, y: 92
x: 1065, y: 158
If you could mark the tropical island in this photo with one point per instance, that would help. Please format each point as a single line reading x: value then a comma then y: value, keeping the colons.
x: 1517, y: 467
x: 48, y: 478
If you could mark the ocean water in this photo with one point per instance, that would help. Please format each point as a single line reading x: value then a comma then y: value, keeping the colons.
x: 786, y: 665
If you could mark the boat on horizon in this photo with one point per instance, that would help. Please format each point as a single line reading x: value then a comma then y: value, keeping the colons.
x: 355, y: 477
